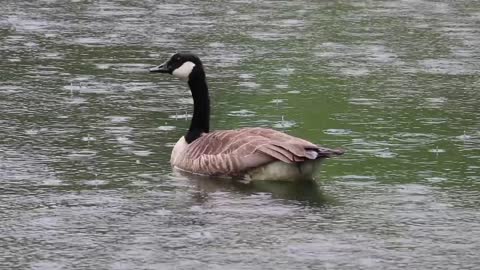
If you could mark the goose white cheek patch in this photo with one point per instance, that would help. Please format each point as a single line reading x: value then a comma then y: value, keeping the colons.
x: 184, y: 70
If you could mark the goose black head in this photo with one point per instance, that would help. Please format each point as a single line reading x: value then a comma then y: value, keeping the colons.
x: 185, y: 66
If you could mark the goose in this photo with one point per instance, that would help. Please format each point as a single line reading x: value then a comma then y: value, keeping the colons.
x: 250, y: 154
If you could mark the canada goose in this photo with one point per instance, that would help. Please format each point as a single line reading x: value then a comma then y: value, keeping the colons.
x: 246, y: 153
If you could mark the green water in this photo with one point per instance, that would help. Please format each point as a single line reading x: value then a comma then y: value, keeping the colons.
x: 85, y: 180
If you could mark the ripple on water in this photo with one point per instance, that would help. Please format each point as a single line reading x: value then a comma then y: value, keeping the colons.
x: 82, y: 155
x: 161, y: 212
x: 91, y: 41
x: 72, y: 87
x: 432, y: 120
x: 437, y: 102
x: 133, y: 86
x: 130, y: 67
x: 88, y: 139
x: 339, y: 131
x: 358, y: 180
x: 88, y: 87
x: 188, y: 101
x: 21, y: 23
x: 251, y: 85
x: 437, y: 150
x: 379, y: 149
x: 355, y: 71
x: 217, y: 45
x: 415, y: 138
x: 445, y: 66
x: 463, y: 137
x: 174, y: 9
x: 385, y: 153
x: 44, y: 71
x: 246, y: 76
x: 356, y: 60
x: 35, y: 131
x: 142, y: 153
x: 166, y: 128
x: 170, y: 144
x: 284, y: 124
x: 291, y: 23
x: 9, y: 89
x: 357, y: 177
x: 95, y: 182
x: 293, y: 92
x: 281, y: 86
x: 270, y: 36
x: 436, y: 179
x: 124, y: 140
x: 183, y: 116
x: 285, y: 71
x: 51, y: 55
x: 76, y: 100
x: 120, y: 130
x: 118, y: 119
x: 242, y: 113
x: 201, y: 235
x: 363, y: 101
x: 102, y: 66
x: 52, y: 182
x: 14, y: 59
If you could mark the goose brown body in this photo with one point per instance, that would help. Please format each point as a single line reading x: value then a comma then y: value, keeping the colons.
x: 247, y: 153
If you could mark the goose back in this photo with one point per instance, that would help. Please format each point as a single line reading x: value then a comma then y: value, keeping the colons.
x: 235, y: 152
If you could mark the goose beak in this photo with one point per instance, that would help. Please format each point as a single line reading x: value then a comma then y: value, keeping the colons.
x: 160, y: 69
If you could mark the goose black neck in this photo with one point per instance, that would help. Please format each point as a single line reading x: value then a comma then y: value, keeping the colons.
x: 201, y: 108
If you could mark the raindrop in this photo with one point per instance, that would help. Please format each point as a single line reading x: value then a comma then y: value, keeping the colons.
x: 436, y: 151
x: 166, y: 128
x: 464, y: 137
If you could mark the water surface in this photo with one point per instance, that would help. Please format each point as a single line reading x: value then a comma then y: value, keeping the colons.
x: 85, y: 181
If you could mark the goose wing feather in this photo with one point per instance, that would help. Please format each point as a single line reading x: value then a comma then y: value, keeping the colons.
x: 232, y: 152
